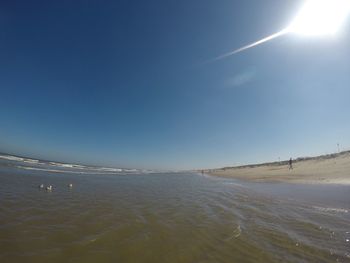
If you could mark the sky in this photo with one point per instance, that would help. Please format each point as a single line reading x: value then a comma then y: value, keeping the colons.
x: 127, y: 84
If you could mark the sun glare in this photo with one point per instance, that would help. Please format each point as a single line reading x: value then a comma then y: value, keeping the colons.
x: 320, y: 17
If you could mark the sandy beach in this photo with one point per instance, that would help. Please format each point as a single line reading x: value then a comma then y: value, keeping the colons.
x: 325, y: 169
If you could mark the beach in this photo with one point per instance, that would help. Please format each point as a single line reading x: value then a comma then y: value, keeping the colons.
x: 325, y: 169
x: 94, y: 214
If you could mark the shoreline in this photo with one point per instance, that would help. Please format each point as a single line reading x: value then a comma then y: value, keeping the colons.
x: 325, y: 169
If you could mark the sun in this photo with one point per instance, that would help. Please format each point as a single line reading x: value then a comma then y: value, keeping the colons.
x: 315, y: 18
x: 320, y: 17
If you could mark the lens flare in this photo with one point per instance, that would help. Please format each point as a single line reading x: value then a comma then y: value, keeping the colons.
x: 320, y: 17
x: 316, y: 18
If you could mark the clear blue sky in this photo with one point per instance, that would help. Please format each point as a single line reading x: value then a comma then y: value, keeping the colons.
x: 122, y: 83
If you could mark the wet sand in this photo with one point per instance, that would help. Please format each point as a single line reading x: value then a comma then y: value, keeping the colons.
x: 326, y: 169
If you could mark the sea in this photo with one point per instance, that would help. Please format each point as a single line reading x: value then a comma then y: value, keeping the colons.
x: 130, y: 215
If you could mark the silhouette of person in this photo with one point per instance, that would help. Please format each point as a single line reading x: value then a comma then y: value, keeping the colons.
x: 290, y: 164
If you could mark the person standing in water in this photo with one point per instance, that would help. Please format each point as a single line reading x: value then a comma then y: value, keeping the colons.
x: 290, y: 163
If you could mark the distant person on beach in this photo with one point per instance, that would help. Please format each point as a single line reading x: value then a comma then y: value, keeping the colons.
x: 290, y: 164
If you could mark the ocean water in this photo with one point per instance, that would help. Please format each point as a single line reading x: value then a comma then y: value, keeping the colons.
x: 166, y: 217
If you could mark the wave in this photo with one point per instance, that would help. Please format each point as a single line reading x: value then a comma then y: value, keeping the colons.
x: 68, y: 165
x: 11, y: 158
x: 19, y: 159
x: 59, y: 167
x: 234, y: 184
x: 331, y: 209
x: 60, y: 171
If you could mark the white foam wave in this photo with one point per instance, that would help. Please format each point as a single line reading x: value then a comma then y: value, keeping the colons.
x: 31, y: 161
x: 19, y: 159
x: 57, y: 171
x: 83, y: 167
x: 106, y: 169
x: 130, y: 170
x: 40, y: 169
x: 68, y: 165
x: 11, y: 158
x: 331, y: 209
x: 32, y: 164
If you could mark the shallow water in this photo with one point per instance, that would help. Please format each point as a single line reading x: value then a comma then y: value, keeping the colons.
x: 179, y: 217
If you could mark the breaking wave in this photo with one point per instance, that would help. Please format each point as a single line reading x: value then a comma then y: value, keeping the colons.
x: 59, y: 167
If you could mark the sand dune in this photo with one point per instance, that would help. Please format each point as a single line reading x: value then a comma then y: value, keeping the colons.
x: 327, y: 169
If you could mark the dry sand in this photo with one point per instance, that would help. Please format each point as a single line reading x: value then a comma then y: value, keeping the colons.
x: 326, y: 169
